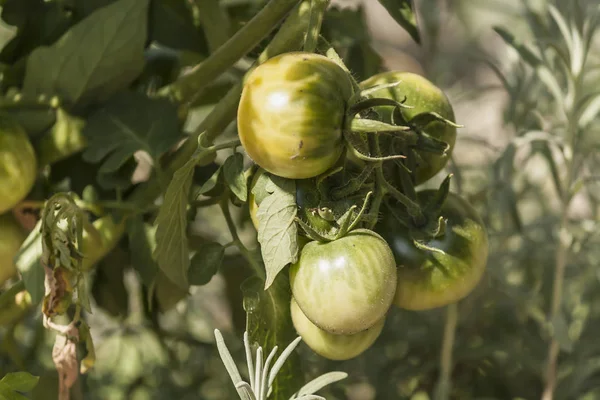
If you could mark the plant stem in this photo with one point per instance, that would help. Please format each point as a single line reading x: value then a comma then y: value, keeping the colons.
x: 317, y: 10
x: 443, y: 386
x: 247, y: 254
x: 244, y: 40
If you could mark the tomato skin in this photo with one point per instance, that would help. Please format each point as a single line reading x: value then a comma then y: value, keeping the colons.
x: 424, y: 96
x: 425, y: 283
x: 291, y: 114
x: 347, y: 285
x: 328, y: 345
x: 12, y: 237
x: 18, y: 163
x: 96, y: 246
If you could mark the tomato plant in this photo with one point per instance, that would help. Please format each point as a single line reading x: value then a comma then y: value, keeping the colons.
x: 11, y: 238
x: 18, y: 166
x: 451, y: 265
x: 291, y: 114
x: 422, y: 96
x: 329, y: 345
x: 347, y: 285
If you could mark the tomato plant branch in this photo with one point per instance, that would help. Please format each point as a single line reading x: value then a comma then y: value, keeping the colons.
x: 317, y: 10
x: 244, y: 40
x: 247, y: 254
x: 443, y: 386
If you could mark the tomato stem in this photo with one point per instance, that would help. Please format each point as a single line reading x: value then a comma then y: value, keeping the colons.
x: 244, y: 40
x: 317, y: 10
x: 443, y: 386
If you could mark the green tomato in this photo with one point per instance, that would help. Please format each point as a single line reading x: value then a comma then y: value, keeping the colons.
x: 423, y: 96
x: 328, y: 345
x: 18, y: 164
x: 97, y: 244
x: 291, y: 114
x: 429, y: 280
x: 347, y: 285
x: 11, y: 238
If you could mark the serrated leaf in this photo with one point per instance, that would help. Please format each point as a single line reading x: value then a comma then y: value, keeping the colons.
x: 142, y: 243
x: 28, y: 262
x: 172, y: 253
x: 205, y: 263
x: 259, y: 189
x: 99, y: 56
x: 130, y: 122
x: 233, y: 171
x: 403, y: 12
x: 277, y: 230
x: 20, y: 381
x: 269, y: 324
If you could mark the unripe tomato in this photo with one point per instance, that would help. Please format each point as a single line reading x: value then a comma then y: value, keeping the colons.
x: 328, y: 345
x: 96, y: 246
x: 347, y: 285
x: 428, y: 280
x: 11, y: 238
x: 291, y: 114
x: 423, y: 96
x: 18, y: 165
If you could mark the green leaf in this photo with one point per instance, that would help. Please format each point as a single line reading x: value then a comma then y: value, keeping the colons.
x: 64, y: 139
x: 172, y: 253
x: 233, y: 170
x: 269, y: 324
x: 171, y: 24
x: 524, y: 51
x: 97, y: 57
x: 130, y: 122
x: 6, y: 393
x: 211, y: 183
x: 28, y: 262
x: 277, y: 230
x: 142, y: 243
x: 403, y: 12
x: 20, y: 381
x: 205, y: 263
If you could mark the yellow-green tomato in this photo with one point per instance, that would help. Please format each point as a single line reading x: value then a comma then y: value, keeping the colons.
x: 328, y: 345
x: 347, y: 285
x: 291, y: 114
x: 428, y: 280
x: 423, y: 96
x: 18, y: 164
x: 11, y: 238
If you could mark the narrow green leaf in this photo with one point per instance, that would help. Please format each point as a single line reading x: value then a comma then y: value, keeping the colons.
x: 277, y: 230
x: 524, y: 51
x: 211, y: 183
x: 20, y: 381
x: 130, y: 122
x: 230, y: 365
x: 319, y: 383
x: 172, y: 253
x: 205, y: 263
x: 97, y: 57
x: 233, y: 170
x: 28, y: 262
x: 269, y: 324
x: 142, y: 243
x: 403, y: 12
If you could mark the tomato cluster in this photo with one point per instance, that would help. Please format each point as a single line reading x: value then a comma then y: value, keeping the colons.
x: 298, y: 115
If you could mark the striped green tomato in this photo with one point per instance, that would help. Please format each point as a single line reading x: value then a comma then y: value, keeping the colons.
x: 328, y: 345
x: 291, y: 114
x: 18, y: 164
x: 423, y: 96
x: 11, y: 238
x: 429, y: 280
x: 347, y: 285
